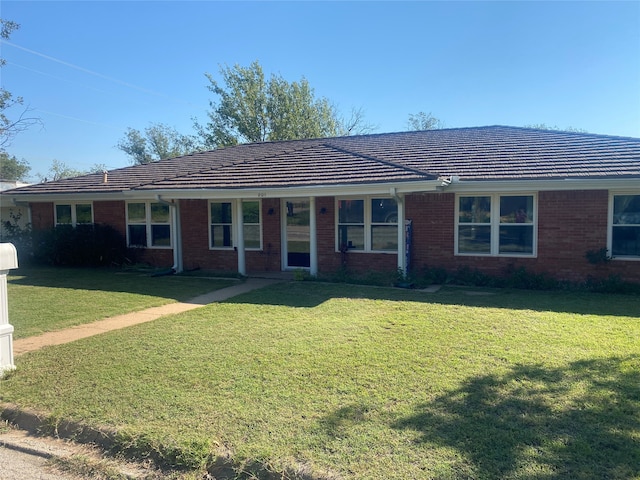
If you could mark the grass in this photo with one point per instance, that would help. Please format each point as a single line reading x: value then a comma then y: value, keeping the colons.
x: 363, y: 383
x: 46, y: 299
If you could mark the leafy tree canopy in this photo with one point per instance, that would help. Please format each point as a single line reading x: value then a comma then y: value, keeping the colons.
x: 159, y: 141
x: 544, y: 126
x: 250, y: 108
x: 60, y: 170
x: 424, y: 121
x: 13, y: 169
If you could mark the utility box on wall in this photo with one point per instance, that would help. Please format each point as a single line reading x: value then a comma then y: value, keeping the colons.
x: 8, y: 261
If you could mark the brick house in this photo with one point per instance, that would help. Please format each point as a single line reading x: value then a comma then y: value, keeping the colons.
x: 489, y: 198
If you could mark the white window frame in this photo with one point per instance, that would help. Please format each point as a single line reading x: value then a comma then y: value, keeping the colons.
x: 368, y: 223
x: 148, y: 225
x: 611, y: 226
x: 494, y: 225
x: 74, y: 214
x: 234, y: 223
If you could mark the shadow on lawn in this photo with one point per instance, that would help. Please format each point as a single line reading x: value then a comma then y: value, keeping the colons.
x: 117, y: 280
x: 312, y: 294
x: 577, y: 422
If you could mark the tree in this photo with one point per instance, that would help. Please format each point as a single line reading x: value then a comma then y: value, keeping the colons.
x: 60, y: 170
x: 544, y: 126
x: 10, y: 127
x: 424, y: 121
x: 253, y: 109
x: 13, y: 169
x: 158, y: 142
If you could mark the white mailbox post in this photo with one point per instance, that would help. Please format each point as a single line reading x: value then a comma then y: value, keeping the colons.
x: 8, y: 260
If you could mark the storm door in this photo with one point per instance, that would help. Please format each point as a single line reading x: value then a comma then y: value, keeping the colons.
x: 297, y: 235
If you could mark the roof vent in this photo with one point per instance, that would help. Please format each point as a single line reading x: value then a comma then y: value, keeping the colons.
x: 105, y: 176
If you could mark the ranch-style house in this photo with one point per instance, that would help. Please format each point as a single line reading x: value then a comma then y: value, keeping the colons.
x: 488, y: 198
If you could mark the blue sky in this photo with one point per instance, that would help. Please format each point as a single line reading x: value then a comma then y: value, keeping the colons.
x: 91, y: 69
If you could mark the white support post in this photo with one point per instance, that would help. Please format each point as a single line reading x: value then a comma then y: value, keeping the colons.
x: 8, y: 260
x: 242, y: 266
x: 176, y: 231
x: 313, y: 238
x: 402, y: 245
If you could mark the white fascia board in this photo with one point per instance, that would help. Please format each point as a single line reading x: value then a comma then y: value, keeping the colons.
x: 463, y: 186
x: 386, y: 189
x: 60, y: 197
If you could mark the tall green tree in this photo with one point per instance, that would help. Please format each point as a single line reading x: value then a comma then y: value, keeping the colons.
x: 11, y: 125
x: 424, y: 121
x: 13, y: 169
x: 250, y: 108
x: 159, y: 141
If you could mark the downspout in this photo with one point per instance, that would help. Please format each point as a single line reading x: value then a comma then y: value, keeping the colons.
x: 175, y: 233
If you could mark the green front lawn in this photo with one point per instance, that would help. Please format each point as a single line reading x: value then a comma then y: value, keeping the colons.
x: 46, y: 299
x: 364, y: 383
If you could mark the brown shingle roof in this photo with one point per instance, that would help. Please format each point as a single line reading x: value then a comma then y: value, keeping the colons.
x: 483, y: 153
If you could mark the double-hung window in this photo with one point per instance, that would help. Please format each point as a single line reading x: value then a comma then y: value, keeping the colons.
x: 74, y: 214
x: 495, y: 225
x: 222, y: 223
x: 625, y: 226
x: 367, y: 224
x: 148, y: 224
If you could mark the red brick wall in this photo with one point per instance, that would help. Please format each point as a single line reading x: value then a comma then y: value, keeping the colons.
x: 330, y: 261
x: 570, y: 223
x: 111, y: 213
x: 194, y: 218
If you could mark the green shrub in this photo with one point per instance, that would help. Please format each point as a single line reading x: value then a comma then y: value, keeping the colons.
x: 20, y: 237
x: 82, y: 246
x: 611, y: 284
x: 522, y: 278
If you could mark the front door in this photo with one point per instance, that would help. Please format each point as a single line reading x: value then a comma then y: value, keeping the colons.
x: 297, y: 234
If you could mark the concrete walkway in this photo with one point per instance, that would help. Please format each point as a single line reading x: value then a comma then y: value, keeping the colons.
x: 29, y: 344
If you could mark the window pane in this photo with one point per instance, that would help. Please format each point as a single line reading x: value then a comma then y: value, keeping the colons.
x: 63, y: 214
x: 351, y: 211
x: 221, y: 212
x: 351, y: 237
x: 83, y: 214
x: 625, y: 241
x: 160, y: 235
x: 626, y: 210
x: 384, y: 210
x: 252, y: 236
x: 136, y: 213
x: 251, y: 212
x: 159, y: 213
x: 137, y: 236
x: 517, y: 209
x: 474, y: 239
x: 475, y: 210
x: 516, y: 239
x: 221, y: 236
x: 384, y: 237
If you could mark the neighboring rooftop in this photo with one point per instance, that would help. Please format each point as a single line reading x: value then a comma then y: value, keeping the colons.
x: 481, y: 153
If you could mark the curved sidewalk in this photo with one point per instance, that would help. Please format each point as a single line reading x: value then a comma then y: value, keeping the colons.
x: 29, y: 344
